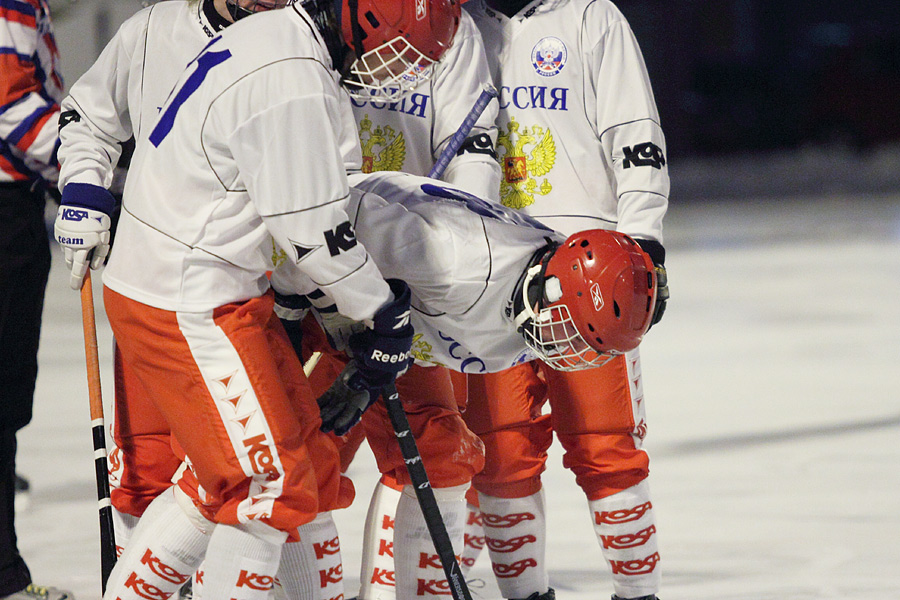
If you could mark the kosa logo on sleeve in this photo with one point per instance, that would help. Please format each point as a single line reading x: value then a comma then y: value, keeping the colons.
x: 647, y: 154
x: 341, y: 239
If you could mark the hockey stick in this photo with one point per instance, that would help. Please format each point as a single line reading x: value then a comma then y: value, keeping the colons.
x: 107, y: 535
x: 442, y: 544
x: 452, y: 147
x: 310, y: 364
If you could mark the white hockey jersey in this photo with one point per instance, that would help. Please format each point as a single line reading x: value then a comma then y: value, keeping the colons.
x: 410, y: 135
x: 580, y: 142
x: 250, y: 142
x: 126, y: 87
x: 462, y: 258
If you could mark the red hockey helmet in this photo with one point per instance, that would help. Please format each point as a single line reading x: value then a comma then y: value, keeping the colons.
x: 599, y: 289
x: 395, y: 42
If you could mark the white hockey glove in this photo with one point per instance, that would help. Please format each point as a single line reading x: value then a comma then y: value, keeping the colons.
x: 82, y: 228
x: 336, y: 326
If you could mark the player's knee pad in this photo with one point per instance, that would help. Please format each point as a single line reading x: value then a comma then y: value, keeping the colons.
x: 514, y: 460
x: 451, y: 454
x: 196, y: 517
x: 348, y: 445
x: 604, y: 464
x: 141, y: 468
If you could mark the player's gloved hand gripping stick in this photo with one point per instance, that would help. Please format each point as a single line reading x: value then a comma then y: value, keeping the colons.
x: 379, y: 354
x: 82, y: 228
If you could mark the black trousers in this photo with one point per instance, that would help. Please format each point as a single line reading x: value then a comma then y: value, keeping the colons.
x: 24, y: 267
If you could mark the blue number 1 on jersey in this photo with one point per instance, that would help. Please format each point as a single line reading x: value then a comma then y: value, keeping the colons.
x: 206, y: 60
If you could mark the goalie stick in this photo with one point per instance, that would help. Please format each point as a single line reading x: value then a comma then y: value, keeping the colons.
x: 424, y: 494
x: 98, y: 430
x: 452, y: 147
x: 456, y: 141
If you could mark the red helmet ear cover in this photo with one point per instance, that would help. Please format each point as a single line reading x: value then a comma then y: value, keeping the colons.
x: 609, y: 286
x: 428, y: 25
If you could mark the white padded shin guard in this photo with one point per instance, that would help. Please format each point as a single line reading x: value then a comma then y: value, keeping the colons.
x: 516, y: 539
x: 241, y: 561
x: 626, y: 529
x: 418, y: 567
x: 473, y: 539
x: 376, y: 575
x: 123, y: 526
x: 312, y: 568
x: 165, y: 548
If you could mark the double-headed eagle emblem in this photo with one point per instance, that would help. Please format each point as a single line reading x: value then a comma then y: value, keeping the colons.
x: 383, y: 149
x: 528, y: 154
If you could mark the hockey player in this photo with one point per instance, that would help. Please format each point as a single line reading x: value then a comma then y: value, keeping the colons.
x: 491, y: 289
x: 117, y: 99
x: 575, y: 302
x: 108, y: 105
x: 409, y: 136
x: 580, y: 145
x: 250, y: 143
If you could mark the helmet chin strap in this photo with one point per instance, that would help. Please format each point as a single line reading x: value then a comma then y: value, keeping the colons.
x: 353, y: 7
x: 326, y: 16
x: 527, y: 313
x: 528, y: 286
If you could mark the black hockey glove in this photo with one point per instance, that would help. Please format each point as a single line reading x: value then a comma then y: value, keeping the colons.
x: 380, y: 354
x: 658, y: 255
x: 343, y: 404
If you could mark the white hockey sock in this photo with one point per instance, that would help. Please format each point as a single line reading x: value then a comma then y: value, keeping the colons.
x: 376, y: 575
x: 312, y: 568
x: 123, y: 526
x: 626, y: 529
x: 417, y: 565
x: 241, y: 561
x: 166, y: 547
x: 473, y: 539
x: 516, y: 537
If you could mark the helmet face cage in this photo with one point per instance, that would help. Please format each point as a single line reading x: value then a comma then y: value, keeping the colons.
x: 553, y: 336
x: 396, y: 42
x: 388, y: 73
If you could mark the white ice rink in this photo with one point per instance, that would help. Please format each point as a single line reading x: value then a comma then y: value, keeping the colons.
x: 773, y: 390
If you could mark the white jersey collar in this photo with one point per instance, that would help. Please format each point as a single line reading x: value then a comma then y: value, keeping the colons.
x: 210, y: 22
x: 529, y: 10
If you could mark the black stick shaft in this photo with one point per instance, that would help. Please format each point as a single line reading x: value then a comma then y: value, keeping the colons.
x: 98, y: 431
x: 433, y: 520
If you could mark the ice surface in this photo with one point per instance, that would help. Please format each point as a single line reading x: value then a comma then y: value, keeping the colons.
x: 773, y: 391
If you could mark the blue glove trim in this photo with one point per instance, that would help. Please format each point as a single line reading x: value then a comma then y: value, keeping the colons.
x: 88, y: 195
